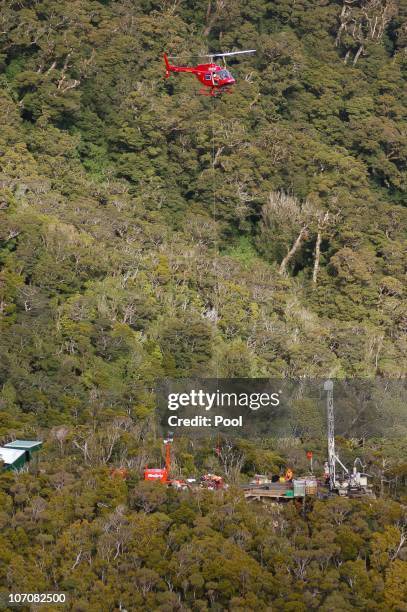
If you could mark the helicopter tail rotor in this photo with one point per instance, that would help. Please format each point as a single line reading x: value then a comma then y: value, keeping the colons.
x: 167, y: 66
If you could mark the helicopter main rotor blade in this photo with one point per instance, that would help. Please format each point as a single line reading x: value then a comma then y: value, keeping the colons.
x: 228, y: 53
x: 213, y: 55
x: 234, y: 53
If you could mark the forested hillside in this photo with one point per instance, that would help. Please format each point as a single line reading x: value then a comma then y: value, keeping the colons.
x: 147, y: 231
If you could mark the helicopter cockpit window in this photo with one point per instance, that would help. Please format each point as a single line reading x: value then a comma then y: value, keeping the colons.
x: 224, y: 74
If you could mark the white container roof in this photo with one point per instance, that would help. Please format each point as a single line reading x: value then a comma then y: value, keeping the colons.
x: 10, y: 455
x: 26, y: 444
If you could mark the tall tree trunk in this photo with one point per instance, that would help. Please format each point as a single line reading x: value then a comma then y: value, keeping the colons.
x: 292, y: 251
x: 317, y: 258
x: 210, y: 18
x: 323, y: 221
x: 360, y: 50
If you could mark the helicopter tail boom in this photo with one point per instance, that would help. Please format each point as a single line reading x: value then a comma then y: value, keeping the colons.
x: 170, y: 68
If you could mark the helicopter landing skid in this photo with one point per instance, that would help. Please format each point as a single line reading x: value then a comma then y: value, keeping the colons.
x: 215, y: 93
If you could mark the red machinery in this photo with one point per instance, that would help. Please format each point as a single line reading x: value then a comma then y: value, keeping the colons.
x: 161, y: 474
x: 208, y: 481
x: 212, y: 482
x: 217, y: 78
x: 156, y: 474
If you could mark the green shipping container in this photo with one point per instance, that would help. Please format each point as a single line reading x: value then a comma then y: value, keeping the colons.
x: 13, y: 458
x: 31, y: 446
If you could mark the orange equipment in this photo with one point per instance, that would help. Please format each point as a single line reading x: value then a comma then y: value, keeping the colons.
x: 161, y: 474
x: 289, y: 474
x: 156, y: 474
x: 168, y: 455
x: 310, y: 456
x: 121, y: 472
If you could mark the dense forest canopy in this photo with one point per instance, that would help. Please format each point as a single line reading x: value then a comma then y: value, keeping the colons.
x: 117, y: 266
x: 146, y: 232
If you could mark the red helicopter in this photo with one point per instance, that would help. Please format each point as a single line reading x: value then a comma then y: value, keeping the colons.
x: 217, y: 78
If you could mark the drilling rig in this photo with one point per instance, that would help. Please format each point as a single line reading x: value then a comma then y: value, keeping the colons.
x: 352, y: 484
x: 161, y: 474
